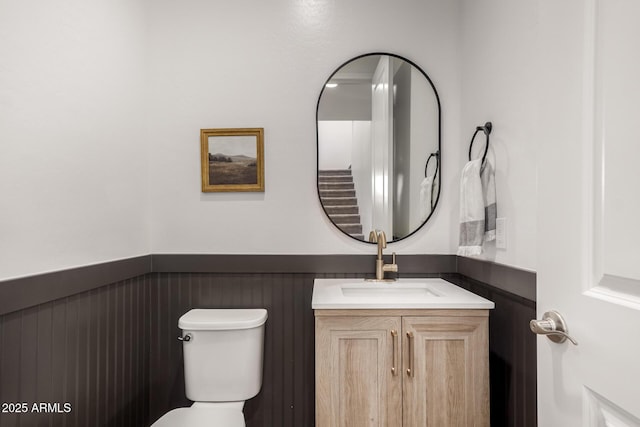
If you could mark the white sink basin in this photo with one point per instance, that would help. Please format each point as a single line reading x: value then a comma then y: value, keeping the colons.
x: 403, y: 293
x: 387, y: 290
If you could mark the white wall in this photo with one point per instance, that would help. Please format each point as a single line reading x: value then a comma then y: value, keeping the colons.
x: 335, y: 140
x: 263, y: 64
x: 101, y: 107
x: 73, y: 158
x: 500, y: 83
x: 346, y: 102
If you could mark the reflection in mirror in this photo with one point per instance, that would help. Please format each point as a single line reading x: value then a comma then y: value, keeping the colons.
x: 378, y: 124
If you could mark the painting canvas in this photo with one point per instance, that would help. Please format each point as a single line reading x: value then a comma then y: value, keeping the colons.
x: 232, y: 160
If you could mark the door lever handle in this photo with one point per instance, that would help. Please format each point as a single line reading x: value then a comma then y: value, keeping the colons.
x: 553, y: 326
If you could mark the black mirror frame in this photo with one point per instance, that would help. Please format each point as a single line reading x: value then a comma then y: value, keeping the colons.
x: 439, y: 175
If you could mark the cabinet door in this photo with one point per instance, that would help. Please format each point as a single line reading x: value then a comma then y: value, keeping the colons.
x: 355, y: 385
x: 448, y: 385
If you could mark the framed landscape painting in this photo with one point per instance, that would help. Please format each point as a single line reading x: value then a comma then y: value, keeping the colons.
x: 232, y: 159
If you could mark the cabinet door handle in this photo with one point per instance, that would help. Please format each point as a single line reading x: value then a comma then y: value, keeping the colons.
x: 410, y: 350
x: 394, y: 340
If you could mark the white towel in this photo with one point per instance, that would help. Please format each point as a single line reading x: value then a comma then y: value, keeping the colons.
x: 426, y: 191
x: 471, y: 210
x: 487, y: 177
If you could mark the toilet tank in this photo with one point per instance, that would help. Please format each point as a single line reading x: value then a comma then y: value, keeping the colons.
x: 223, y: 356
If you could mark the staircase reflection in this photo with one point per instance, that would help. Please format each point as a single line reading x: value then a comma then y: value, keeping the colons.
x: 338, y: 196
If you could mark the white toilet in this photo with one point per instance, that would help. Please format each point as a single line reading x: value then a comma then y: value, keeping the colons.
x: 222, y: 366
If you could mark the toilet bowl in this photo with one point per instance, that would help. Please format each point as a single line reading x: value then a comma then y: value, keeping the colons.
x: 203, y: 416
x: 223, y: 354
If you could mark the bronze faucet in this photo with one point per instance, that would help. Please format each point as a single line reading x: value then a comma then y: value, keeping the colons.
x: 377, y: 236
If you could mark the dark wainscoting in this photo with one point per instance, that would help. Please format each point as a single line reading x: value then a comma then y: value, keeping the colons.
x: 512, y: 280
x: 363, y: 265
x: 90, y: 350
x: 112, y: 352
x: 26, y: 292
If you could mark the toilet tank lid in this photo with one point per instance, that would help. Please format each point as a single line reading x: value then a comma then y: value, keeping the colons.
x: 222, y: 319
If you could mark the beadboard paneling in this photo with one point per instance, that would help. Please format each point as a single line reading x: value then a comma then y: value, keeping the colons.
x: 90, y: 350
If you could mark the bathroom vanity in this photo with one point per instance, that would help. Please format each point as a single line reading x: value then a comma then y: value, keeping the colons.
x: 404, y: 353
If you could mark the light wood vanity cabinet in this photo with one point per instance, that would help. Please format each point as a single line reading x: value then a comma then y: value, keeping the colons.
x: 402, y: 368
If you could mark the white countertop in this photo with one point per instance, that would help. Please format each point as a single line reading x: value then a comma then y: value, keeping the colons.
x: 426, y: 293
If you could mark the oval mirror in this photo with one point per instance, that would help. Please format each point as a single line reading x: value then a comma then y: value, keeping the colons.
x: 378, y: 136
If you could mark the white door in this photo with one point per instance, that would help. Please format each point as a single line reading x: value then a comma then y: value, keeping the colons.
x: 589, y: 211
x: 382, y: 147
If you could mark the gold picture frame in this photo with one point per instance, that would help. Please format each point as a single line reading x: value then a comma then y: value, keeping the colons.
x: 232, y: 159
